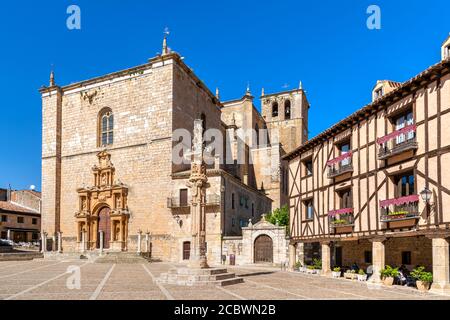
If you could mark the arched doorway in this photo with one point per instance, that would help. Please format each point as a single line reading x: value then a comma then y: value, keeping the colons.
x: 104, y: 224
x: 263, y: 251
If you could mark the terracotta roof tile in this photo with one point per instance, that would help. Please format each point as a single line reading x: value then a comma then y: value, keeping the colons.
x: 8, y: 206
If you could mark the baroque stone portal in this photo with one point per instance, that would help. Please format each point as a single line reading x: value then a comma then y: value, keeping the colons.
x: 103, y: 209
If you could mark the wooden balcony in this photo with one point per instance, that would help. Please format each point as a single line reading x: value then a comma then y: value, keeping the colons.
x: 334, y: 172
x: 400, y: 213
x: 340, y: 165
x: 397, y: 142
x: 342, y: 221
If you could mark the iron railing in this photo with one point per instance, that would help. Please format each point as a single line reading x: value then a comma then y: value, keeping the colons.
x: 334, y: 172
x: 175, y: 202
x: 394, y: 147
x: 400, y: 212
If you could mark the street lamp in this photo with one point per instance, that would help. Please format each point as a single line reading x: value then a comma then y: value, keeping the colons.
x: 426, y: 195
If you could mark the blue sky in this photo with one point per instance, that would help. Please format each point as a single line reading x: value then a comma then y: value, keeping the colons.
x: 270, y: 44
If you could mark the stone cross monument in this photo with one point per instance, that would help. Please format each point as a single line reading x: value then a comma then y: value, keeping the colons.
x: 198, y: 183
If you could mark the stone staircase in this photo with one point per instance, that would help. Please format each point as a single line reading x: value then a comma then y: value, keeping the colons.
x: 20, y: 256
x: 199, y: 277
x: 121, y: 258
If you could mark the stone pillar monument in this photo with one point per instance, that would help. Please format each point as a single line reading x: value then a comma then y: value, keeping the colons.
x: 198, y: 272
x: 198, y: 183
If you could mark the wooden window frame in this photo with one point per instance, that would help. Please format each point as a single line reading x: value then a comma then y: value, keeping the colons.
x: 109, y: 130
x: 306, y: 206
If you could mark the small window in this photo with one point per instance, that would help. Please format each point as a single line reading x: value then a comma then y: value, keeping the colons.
x: 4, y: 218
x: 406, y: 257
x: 253, y: 209
x: 232, y: 201
x: 368, y: 257
x: 308, y: 167
x: 405, y: 185
x: 275, y: 110
x: 287, y: 109
x: 447, y: 52
x: 20, y: 220
x: 345, y: 199
x: 183, y: 197
x: 309, y: 210
x: 34, y: 221
x: 243, y: 223
x: 106, y: 128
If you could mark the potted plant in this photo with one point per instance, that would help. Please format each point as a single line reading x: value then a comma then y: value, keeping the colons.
x: 362, y: 276
x: 388, y: 275
x: 298, y: 266
x: 310, y: 269
x: 423, y: 278
x: 350, y: 274
x: 317, y: 264
x: 336, y: 273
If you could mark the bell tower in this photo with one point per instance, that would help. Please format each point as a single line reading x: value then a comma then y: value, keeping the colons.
x: 286, y: 116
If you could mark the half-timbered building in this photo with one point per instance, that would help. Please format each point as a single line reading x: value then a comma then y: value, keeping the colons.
x: 374, y: 189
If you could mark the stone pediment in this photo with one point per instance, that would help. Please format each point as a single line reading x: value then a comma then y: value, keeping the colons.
x: 263, y: 224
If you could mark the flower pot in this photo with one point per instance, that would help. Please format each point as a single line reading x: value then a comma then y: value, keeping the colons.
x: 423, y: 286
x: 362, y: 277
x: 350, y: 276
x: 388, y: 281
x: 336, y: 274
x: 310, y: 271
x: 318, y: 271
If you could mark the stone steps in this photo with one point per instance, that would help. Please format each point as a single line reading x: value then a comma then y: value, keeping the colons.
x: 22, y: 256
x: 121, y: 258
x: 199, y: 277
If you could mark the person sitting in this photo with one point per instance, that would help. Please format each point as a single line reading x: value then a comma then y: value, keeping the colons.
x: 355, y: 267
x: 401, y: 278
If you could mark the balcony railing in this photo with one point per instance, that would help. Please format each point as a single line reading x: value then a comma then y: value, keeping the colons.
x: 341, y: 218
x: 400, y: 209
x: 397, y: 142
x: 174, y: 202
x: 212, y: 200
x: 340, y: 165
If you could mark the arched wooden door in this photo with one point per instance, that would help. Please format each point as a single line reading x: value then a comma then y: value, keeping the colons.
x: 104, y: 224
x: 263, y: 249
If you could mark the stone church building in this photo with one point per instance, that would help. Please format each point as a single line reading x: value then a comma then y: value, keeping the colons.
x: 108, y: 177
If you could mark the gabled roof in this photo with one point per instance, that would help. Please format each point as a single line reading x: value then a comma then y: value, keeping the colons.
x: 429, y: 75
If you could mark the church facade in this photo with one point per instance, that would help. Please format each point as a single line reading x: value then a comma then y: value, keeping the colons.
x: 109, y: 179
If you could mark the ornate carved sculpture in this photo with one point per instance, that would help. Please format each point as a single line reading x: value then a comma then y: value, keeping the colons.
x: 104, y: 193
x: 198, y: 183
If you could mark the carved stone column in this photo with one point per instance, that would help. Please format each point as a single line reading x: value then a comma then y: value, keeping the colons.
x: 60, y: 242
x: 139, y: 241
x: 378, y: 258
x: 326, y: 258
x: 441, y: 267
x: 292, y: 256
x: 101, y: 242
x: 198, y: 183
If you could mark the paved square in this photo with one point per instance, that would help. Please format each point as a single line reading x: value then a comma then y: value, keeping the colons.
x: 47, y: 280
